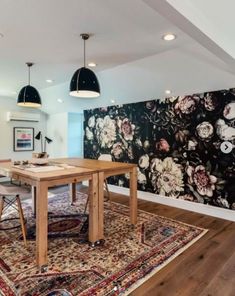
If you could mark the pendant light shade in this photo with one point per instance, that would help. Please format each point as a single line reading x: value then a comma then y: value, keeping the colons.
x: 84, y: 82
x: 29, y: 96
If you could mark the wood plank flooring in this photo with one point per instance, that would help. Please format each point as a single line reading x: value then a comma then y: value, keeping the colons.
x: 207, y: 268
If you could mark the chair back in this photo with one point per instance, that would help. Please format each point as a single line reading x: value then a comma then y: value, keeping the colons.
x: 106, y: 157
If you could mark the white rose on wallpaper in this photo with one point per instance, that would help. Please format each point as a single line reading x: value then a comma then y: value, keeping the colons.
x: 126, y: 128
x: 89, y: 134
x: 130, y: 153
x: 144, y: 161
x: 120, y: 182
x: 229, y: 111
x: 127, y: 176
x: 205, y: 130
x: 141, y: 177
x: 224, y: 131
x: 188, y: 197
x: 91, y: 122
x: 166, y: 177
x: 138, y: 142
x: 192, y: 144
x: 105, y: 131
x: 117, y: 150
x: 146, y: 144
x: 205, y: 183
x: 223, y: 202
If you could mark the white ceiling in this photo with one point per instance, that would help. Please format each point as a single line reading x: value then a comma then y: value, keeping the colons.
x: 47, y: 32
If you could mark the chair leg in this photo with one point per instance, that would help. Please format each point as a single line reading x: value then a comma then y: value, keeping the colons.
x: 21, y: 214
x: 86, y: 204
x: 1, y: 206
x: 108, y: 193
x: 106, y: 188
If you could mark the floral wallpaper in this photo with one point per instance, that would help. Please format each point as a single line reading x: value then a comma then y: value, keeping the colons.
x: 175, y: 142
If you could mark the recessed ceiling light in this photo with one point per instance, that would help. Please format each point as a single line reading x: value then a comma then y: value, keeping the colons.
x: 60, y: 101
x: 167, y: 92
x: 49, y: 80
x: 112, y: 101
x: 169, y: 37
x: 91, y: 64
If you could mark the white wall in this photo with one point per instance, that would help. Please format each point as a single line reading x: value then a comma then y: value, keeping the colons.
x: 75, y: 134
x: 57, y: 130
x: 6, y: 130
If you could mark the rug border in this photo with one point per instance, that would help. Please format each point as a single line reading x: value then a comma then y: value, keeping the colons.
x: 156, y: 269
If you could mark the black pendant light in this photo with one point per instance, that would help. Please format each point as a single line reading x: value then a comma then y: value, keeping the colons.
x: 29, y: 96
x: 84, y: 82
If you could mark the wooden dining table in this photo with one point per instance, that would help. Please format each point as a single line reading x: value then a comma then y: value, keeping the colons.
x: 75, y: 170
x: 104, y: 170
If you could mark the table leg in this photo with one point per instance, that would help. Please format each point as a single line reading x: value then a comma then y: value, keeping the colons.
x: 41, y: 224
x: 93, y: 210
x: 72, y: 192
x: 33, y: 192
x: 133, y: 196
x: 101, y: 204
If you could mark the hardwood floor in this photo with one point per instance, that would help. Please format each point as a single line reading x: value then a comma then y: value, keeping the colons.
x: 207, y: 268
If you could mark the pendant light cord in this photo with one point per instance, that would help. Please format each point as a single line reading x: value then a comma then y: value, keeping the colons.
x: 84, y: 49
x: 29, y: 64
x: 29, y: 75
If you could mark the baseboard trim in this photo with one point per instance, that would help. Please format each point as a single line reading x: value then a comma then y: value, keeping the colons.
x: 178, y: 203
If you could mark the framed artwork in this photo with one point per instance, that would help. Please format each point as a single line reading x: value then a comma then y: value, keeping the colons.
x: 23, y: 138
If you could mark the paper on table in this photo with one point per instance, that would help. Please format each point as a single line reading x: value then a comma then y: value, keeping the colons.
x: 42, y: 169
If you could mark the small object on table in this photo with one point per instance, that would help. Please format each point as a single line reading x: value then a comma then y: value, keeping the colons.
x: 39, y: 158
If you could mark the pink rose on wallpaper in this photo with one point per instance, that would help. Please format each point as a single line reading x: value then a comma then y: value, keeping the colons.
x: 205, y: 183
x: 163, y: 145
x: 210, y: 102
x: 229, y: 111
x: 126, y: 128
x: 117, y: 150
x: 186, y: 105
x: 103, y: 109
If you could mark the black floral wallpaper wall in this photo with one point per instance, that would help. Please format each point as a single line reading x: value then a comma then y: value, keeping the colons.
x: 176, y: 144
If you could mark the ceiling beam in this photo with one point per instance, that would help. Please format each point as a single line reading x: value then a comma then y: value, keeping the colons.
x: 174, y: 16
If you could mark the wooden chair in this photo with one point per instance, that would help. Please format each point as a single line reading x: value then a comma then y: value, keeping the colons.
x: 105, y: 157
x: 10, y: 197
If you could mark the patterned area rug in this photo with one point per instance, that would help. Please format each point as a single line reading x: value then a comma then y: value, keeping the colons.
x: 127, y: 258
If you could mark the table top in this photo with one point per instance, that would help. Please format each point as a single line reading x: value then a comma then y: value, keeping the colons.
x: 98, y: 165
x: 8, y: 169
x: 79, y: 167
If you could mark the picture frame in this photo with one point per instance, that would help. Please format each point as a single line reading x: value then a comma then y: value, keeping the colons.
x: 23, y: 139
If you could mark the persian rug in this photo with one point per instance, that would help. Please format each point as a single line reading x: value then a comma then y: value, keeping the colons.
x: 127, y: 258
